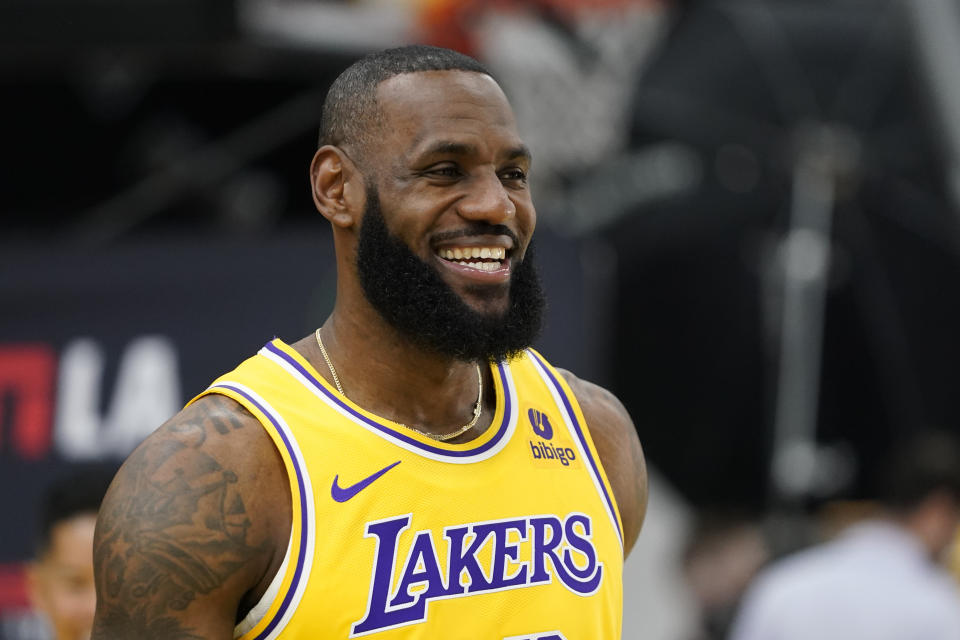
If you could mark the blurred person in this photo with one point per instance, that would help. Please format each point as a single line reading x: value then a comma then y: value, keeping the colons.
x: 60, y: 578
x: 882, y: 579
x: 955, y: 557
x: 724, y: 553
x: 411, y: 469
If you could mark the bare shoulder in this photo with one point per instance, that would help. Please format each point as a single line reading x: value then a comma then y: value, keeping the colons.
x: 618, y: 445
x: 191, y: 526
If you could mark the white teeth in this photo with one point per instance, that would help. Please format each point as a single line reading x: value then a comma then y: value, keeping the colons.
x: 481, y: 266
x: 466, y: 253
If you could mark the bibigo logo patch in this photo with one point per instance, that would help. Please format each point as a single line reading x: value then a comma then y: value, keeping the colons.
x: 548, y: 447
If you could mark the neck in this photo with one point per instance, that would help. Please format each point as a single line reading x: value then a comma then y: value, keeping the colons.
x: 381, y: 371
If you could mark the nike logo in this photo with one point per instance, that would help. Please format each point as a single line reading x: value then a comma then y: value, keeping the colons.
x: 343, y: 494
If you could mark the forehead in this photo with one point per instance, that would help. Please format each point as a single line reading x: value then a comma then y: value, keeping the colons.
x: 419, y: 109
x: 71, y: 540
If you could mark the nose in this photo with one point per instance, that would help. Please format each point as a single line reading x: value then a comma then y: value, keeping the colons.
x: 486, y: 200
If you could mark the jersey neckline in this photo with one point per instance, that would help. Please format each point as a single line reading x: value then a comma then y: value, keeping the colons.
x: 482, y: 447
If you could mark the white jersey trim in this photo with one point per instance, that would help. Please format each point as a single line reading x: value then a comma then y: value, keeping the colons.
x: 308, y: 515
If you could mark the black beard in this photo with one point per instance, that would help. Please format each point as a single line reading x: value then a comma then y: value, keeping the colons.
x: 413, y: 298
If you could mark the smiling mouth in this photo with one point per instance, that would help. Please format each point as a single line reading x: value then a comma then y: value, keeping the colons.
x: 479, y: 258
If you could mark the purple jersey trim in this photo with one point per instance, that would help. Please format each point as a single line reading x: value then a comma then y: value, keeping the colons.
x: 393, y: 433
x: 583, y: 441
x: 301, y: 553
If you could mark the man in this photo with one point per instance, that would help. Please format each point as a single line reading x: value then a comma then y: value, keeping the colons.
x: 881, y: 579
x: 60, y: 579
x: 410, y: 470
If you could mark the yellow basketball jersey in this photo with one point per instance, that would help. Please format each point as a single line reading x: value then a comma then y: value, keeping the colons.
x: 514, y: 535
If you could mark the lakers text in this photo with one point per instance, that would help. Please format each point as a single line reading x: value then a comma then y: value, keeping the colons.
x: 481, y: 557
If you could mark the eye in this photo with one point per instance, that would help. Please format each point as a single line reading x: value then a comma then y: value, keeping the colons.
x: 514, y: 174
x: 443, y: 171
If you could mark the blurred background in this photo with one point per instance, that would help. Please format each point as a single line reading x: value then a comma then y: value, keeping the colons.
x: 748, y: 230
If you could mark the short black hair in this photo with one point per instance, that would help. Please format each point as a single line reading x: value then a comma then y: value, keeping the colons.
x: 923, y: 464
x: 351, y: 104
x: 78, y: 492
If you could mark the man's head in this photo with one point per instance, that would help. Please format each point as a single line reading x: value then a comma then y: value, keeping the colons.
x: 60, y: 579
x: 351, y: 114
x: 922, y: 487
x: 424, y: 177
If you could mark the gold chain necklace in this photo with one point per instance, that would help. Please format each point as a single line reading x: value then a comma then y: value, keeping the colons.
x: 477, y: 409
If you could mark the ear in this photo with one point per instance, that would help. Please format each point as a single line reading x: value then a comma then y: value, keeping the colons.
x: 337, y: 186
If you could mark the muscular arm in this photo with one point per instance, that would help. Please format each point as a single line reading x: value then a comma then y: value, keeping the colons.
x: 192, y: 528
x: 619, y: 449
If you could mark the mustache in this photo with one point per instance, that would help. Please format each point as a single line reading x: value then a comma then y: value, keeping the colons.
x: 478, y: 229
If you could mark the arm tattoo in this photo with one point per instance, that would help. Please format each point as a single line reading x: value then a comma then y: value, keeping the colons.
x: 175, y: 527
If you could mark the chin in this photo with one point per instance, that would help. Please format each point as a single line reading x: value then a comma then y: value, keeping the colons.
x: 487, y: 299
x: 493, y: 309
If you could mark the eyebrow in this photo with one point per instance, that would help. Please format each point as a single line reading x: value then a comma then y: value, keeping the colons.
x: 521, y: 151
x: 445, y: 147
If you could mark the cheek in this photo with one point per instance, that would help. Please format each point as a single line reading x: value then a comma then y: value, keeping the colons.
x: 526, y: 217
x: 414, y: 234
x: 72, y: 602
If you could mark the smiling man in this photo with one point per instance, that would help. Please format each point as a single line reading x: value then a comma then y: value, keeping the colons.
x: 412, y: 469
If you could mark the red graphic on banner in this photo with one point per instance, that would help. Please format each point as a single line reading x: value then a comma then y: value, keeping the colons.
x: 26, y: 378
x: 13, y: 587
